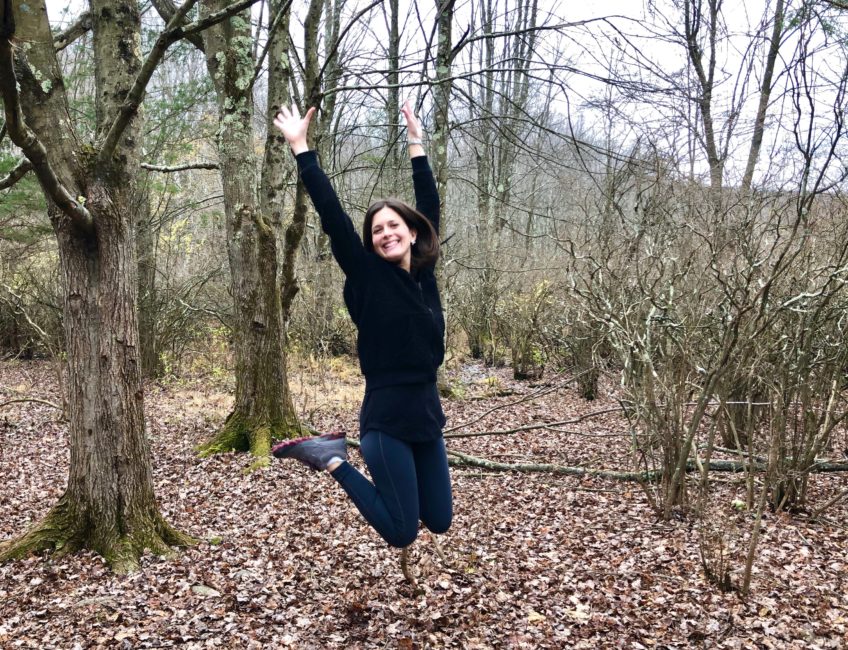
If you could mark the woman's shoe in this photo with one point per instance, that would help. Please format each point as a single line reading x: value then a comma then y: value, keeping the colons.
x: 314, y: 451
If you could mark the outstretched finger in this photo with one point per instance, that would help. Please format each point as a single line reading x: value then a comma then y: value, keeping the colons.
x: 406, y: 109
x: 308, y: 117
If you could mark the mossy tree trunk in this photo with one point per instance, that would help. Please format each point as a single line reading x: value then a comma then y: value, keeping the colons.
x: 263, y: 409
x: 109, y: 504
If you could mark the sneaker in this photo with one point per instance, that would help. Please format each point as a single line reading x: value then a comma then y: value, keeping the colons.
x: 314, y: 451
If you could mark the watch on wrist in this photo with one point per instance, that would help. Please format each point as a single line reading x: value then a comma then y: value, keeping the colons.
x: 414, y: 141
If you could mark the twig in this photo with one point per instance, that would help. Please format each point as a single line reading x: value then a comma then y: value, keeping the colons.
x: 539, y: 393
x: 204, y: 310
x: 405, y: 569
x: 30, y: 399
x: 180, y: 168
x: 438, y: 548
x: 828, y: 503
x: 530, y: 427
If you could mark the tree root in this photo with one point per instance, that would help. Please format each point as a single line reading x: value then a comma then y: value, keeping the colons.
x: 54, y: 533
x: 60, y: 535
x: 253, y: 435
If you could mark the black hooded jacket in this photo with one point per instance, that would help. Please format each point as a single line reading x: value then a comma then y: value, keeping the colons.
x: 398, y: 314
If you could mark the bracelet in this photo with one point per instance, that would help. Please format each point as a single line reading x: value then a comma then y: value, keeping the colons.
x: 410, y: 141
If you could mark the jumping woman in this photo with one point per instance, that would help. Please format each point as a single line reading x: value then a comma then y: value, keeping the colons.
x: 391, y: 294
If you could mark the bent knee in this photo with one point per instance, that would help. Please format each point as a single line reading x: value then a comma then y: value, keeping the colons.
x: 401, y: 539
x: 439, y: 525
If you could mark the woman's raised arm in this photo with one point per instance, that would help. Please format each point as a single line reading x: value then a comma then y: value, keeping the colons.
x: 344, y: 240
x: 426, y: 194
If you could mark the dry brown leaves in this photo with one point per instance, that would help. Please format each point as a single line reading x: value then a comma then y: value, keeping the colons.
x: 536, y: 561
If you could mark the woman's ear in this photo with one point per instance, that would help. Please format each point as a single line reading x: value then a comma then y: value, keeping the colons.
x: 413, y: 234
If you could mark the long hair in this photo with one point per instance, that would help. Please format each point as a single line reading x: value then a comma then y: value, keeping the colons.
x: 425, y: 251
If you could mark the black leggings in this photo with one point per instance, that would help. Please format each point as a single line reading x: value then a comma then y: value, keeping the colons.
x: 411, y: 482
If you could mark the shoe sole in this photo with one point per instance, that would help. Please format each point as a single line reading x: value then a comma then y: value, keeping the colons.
x: 280, y: 447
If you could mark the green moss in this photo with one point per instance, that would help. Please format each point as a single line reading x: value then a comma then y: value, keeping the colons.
x: 54, y: 533
x: 62, y: 535
x: 255, y: 435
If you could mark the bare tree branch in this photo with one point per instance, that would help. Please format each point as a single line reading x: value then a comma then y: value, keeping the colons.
x: 213, y: 19
x: 537, y: 28
x: 167, y: 9
x: 349, y: 26
x: 173, y: 32
x: 530, y: 427
x: 72, y: 33
x: 272, y: 31
x: 179, y: 168
x: 24, y: 138
x: 21, y: 170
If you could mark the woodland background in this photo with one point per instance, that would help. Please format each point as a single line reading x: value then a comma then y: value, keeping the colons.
x: 644, y: 275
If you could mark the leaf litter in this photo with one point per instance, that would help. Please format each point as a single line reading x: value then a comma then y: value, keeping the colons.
x: 285, y: 561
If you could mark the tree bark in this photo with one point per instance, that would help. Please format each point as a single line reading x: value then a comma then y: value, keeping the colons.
x: 441, y: 108
x: 263, y: 410
x: 109, y: 505
x: 765, y: 95
x: 151, y: 364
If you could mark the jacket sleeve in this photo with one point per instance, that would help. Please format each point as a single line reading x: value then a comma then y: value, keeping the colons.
x: 345, y: 242
x: 426, y: 195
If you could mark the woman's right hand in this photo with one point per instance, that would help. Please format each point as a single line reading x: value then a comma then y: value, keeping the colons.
x: 294, y: 127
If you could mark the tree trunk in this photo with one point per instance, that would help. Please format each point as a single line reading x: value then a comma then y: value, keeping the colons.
x: 441, y: 98
x: 394, y: 150
x: 151, y: 364
x: 263, y: 409
x: 109, y: 504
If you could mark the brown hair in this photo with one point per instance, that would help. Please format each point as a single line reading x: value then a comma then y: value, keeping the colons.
x: 425, y: 251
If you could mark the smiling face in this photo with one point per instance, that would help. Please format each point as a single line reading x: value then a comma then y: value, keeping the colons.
x: 392, y: 238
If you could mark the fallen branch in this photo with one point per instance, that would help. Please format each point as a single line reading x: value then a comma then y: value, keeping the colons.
x: 763, y: 459
x: 30, y: 399
x: 836, y: 499
x: 459, y: 459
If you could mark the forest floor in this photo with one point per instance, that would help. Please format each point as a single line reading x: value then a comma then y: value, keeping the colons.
x: 534, y: 560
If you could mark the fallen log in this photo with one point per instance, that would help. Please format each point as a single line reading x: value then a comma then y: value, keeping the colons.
x: 459, y: 459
